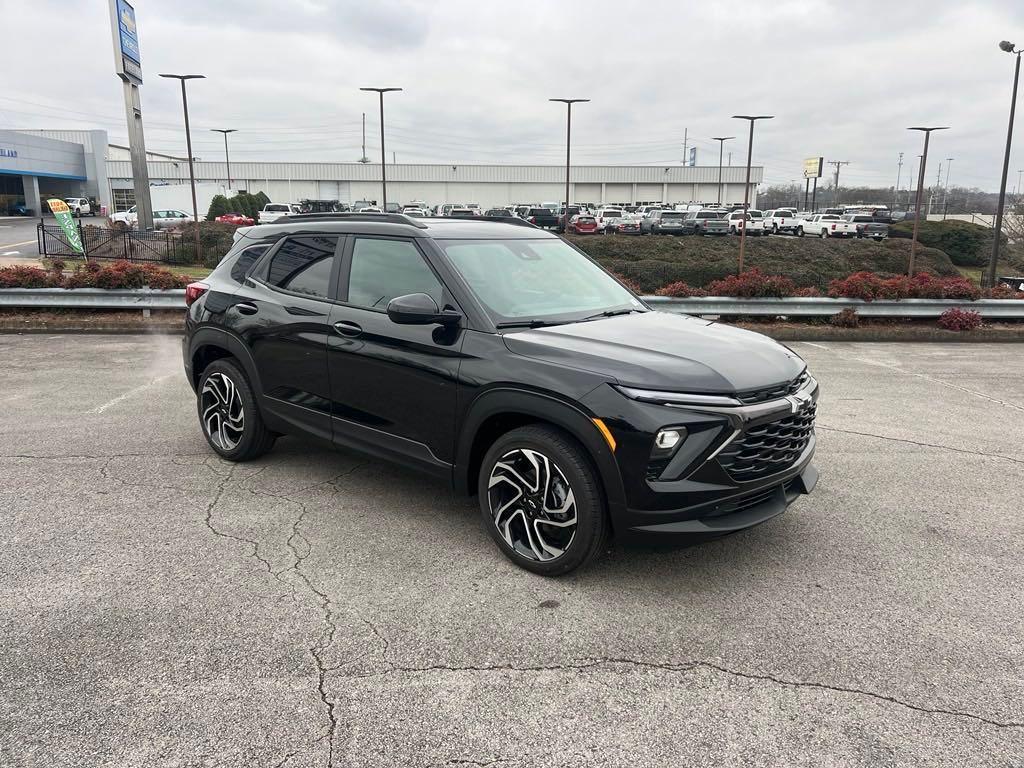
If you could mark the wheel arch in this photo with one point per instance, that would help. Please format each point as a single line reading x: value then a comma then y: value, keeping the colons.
x: 498, y: 411
x: 209, y: 344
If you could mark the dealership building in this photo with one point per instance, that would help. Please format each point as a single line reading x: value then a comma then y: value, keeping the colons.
x: 35, y: 165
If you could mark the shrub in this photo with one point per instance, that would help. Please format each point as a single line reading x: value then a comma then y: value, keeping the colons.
x: 218, y: 207
x: 924, y: 285
x: 680, y: 290
x: 57, y: 266
x: 214, y: 238
x: 810, y: 292
x: 120, y: 274
x: 966, y: 243
x: 752, y: 284
x: 956, y: 319
x: 633, y: 285
x: 848, y: 318
x: 27, y: 277
x: 1002, y: 291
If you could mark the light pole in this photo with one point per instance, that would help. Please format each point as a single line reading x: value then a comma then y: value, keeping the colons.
x: 920, y: 183
x: 188, y: 144
x: 227, y: 157
x: 746, y: 187
x: 383, y: 154
x: 1017, y: 189
x: 568, y: 148
x: 945, y: 188
x: 990, y: 275
x: 899, y: 172
x: 721, y: 144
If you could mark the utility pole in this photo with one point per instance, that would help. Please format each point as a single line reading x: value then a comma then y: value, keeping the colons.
x: 721, y: 143
x: 835, y: 189
x: 364, y: 159
x: 686, y: 140
x: 927, y: 131
x: 931, y: 192
x: 730, y: 159
x: 896, y: 192
x: 568, y: 149
x: 945, y: 188
x: 746, y: 186
x: 383, y: 155
x: 188, y: 144
x: 227, y: 157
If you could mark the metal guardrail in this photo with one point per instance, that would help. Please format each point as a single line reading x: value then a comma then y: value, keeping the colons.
x: 145, y: 298
x: 92, y: 298
x: 993, y: 309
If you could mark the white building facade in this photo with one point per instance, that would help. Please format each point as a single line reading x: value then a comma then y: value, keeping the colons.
x: 487, y: 185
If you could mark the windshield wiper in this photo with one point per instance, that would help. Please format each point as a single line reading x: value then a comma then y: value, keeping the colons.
x: 525, y: 324
x: 610, y: 313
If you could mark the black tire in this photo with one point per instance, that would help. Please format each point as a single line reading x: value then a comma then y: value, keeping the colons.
x: 253, y: 439
x: 824, y: 234
x: 732, y: 230
x: 799, y: 231
x: 573, y: 466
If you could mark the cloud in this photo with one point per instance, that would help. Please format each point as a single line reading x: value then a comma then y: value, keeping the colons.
x: 843, y: 80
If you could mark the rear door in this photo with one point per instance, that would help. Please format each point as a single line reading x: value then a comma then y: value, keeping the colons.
x: 393, y: 386
x: 282, y: 311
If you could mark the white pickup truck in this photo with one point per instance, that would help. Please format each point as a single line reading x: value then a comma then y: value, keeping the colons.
x: 781, y: 220
x: 273, y: 211
x: 79, y: 206
x: 826, y: 225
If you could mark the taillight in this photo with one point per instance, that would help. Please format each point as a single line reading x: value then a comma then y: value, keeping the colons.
x: 193, y: 291
x: 532, y: 219
x: 833, y: 227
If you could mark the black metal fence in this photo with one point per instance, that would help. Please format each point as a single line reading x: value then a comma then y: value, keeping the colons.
x: 107, y: 243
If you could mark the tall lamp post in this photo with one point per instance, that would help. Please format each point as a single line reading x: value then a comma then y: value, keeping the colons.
x: 945, y: 187
x: 746, y: 187
x: 188, y: 144
x: 383, y: 154
x: 227, y: 157
x: 920, y: 184
x: 990, y: 275
x: 721, y: 144
x: 568, y: 150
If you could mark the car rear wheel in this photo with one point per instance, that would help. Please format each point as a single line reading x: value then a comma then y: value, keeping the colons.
x: 541, y: 501
x: 228, y: 413
x: 824, y: 234
x: 799, y: 231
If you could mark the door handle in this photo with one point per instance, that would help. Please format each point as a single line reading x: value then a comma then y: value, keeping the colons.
x: 346, y: 328
x: 247, y: 308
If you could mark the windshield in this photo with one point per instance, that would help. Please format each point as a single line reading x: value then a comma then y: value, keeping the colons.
x: 544, y: 280
x: 283, y: 208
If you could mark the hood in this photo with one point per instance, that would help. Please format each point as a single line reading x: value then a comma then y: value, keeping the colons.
x: 658, y: 350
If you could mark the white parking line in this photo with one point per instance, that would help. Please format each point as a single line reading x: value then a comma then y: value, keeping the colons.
x: 10, y: 253
x: 13, y: 245
x: 129, y: 393
x: 816, y: 346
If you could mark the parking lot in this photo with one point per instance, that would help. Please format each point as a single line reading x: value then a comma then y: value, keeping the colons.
x: 163, y: 608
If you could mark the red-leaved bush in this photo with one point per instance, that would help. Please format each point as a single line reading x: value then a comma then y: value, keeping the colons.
x: 810, y: 292
x: 752, y: 284
x: 27, y: 277
x: 680, y: 290
x: 1001, y: 291
x: 956, y: 319
x: 630, y: 283
x: 120, y: 274
x: 924, y: 285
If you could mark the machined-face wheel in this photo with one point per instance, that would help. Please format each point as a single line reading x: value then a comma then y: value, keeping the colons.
x: 532, y: 505
x: 221, y: 411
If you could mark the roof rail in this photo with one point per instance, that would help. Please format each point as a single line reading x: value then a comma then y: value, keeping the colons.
x: 387, y: 218
x: 515, y: 220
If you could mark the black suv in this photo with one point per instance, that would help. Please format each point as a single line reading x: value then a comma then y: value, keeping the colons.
x: 502, y: 359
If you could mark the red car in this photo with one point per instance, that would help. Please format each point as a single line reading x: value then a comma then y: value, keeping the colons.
x: 583, y: 225
x: 238, y: 219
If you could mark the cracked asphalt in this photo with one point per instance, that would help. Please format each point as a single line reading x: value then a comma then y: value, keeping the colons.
x: 163, y: 608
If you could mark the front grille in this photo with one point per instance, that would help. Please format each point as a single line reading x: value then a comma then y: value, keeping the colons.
x: 769, y: 448
x: 773, y: 393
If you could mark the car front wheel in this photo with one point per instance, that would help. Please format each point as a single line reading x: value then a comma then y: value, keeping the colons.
x: 541, y: 501
x: 228, y: 413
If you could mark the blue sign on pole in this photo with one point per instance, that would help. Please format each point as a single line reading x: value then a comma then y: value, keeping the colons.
x: 693, y: 155
x: 129, y: 33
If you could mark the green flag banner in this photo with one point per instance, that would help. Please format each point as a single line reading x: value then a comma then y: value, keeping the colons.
x: 62, y: 213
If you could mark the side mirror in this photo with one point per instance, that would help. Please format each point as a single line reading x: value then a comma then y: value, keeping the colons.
x: 420, y: 309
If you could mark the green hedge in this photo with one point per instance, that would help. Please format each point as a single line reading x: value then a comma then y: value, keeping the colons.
x: 968, y: 244
x: 654, y: 261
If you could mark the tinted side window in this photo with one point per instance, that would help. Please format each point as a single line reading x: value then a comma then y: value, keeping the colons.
x: 303, y: 265
x: 384, y: 269
x: 246, y: 259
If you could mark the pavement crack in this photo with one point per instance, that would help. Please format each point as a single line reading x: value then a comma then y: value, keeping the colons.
x: 919, y: 443
x: 689, y: 666
x: 214, y: 501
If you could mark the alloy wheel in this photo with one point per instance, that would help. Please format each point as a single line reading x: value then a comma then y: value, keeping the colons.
x: 222, y: 412
x: 532, y: 504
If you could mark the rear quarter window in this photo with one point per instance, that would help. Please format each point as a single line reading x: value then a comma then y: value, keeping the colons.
x: 245, y: 261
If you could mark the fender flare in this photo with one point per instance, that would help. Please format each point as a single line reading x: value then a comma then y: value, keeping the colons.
x: 209, y: 336
x: 569, y: 417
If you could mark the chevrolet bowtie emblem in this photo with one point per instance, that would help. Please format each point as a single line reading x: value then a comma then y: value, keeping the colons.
x: 798, y: 401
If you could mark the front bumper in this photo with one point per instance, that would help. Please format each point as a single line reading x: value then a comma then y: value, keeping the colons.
x: 738, y: 465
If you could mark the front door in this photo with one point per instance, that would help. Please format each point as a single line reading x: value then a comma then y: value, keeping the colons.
x: 393, y: 386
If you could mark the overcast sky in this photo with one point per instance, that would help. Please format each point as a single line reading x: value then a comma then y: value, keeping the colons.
x: 843, y: 79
